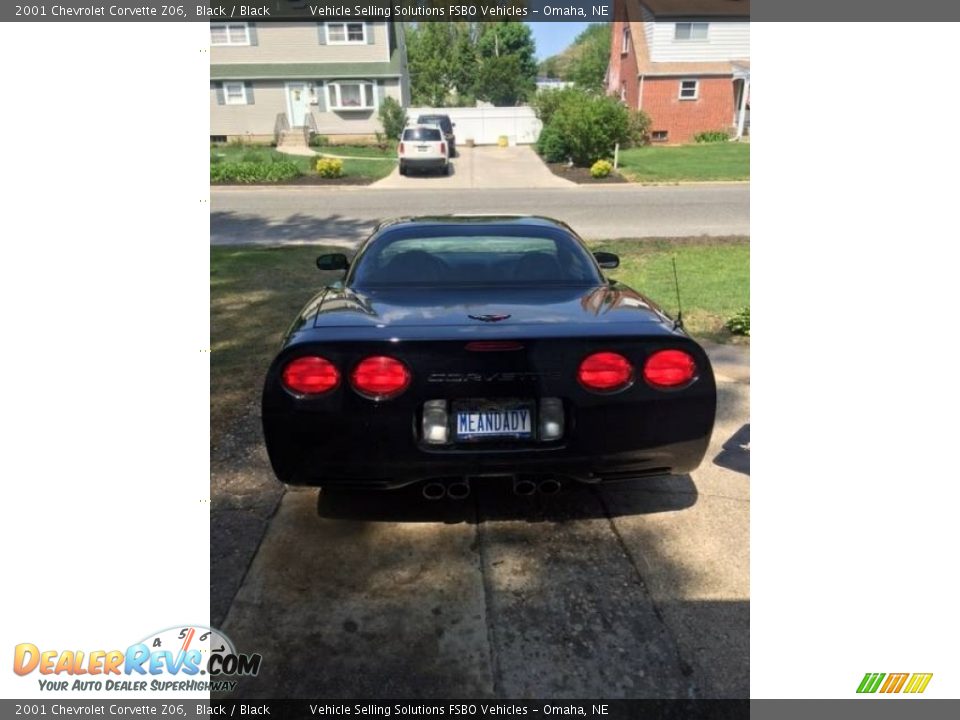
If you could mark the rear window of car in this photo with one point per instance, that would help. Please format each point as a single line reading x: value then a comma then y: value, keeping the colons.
x: 422, y: 134
x: 442, y: 120
x: 476, y: 257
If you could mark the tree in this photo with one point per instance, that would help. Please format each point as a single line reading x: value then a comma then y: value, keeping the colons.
x: 463, y: 63
x: 584, y: 62
x: 508, y: 68
x: 501, y: 81
x: 589, y: 66
x: 428, y: 61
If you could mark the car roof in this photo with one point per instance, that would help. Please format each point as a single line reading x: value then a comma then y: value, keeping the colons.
x: 501, y: 220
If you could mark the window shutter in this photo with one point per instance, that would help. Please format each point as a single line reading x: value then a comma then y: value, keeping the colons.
x: 322, y: 33
x: 321, y: 97
x: 252, y: 33
x: 221, y: 100
x: 369, y: 31
x: 248, y: 88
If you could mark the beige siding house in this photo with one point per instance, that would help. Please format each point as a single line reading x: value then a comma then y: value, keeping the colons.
x: 327, y: 78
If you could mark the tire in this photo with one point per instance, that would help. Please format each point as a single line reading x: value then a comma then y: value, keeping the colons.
x: 448, y: 170
x: 403, y: 169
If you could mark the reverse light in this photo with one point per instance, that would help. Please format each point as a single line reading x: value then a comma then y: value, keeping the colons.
x: 434, y: 424
x: 310, y: 375
x: 380, y: 377
x: 669, y: 369
x: 605, y: 372
x: 551, y: 418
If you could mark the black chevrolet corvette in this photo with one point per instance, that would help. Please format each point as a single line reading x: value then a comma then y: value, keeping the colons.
x: 462, y: 348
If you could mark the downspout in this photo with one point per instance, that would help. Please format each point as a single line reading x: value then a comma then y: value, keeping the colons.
x: 640, y: 95
x: 744, y: 93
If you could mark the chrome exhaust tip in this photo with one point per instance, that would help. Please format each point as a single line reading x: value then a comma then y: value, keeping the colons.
x: 550, y: 486
x: 434, y: 491
x: 458, y: 490
x: 524, y: 487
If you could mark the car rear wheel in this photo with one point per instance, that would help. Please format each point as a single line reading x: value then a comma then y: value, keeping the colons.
x: 448, y: 169
x: 403, y: 169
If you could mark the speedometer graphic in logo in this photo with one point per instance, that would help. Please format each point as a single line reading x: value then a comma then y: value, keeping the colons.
x: 197, y: 645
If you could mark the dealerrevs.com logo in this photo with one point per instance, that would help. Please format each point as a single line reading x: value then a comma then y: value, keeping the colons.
x: 910, y: 683
x: 180, y: 659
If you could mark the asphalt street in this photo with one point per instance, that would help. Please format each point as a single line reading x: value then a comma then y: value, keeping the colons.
x: 639, y: 589
x: 345, y: 215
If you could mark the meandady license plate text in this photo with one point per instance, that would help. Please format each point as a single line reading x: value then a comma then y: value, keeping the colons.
x: 514, y: 421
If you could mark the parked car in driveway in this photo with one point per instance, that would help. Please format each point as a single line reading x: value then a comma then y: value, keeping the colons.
x: 458, y: 348
x: 423, y: 148
x: 446, y: 126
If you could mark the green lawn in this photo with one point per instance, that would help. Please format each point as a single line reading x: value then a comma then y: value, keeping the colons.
x: 256, y: 292
x: 378, y: 166
x: 714, y: 278
x: 706, y: 161
x: 364, y: 151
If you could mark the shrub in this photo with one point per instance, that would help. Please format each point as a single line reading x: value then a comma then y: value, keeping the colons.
x: 253, y: 172
x: 319, y: 140
x: 739, y: 324
x: 601, y: 168
x: 712, y: 136
x: 393, y: 118
x: 590, y: 126
x: 551, y: 146
x: 546, y: 102
x: 330, y: 167
x: 639, y: 129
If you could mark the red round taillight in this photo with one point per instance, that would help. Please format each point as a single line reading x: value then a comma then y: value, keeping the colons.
x: 605, y: 372
x: 380, y: 377
x: 669, y: 369
x: 310, y: 375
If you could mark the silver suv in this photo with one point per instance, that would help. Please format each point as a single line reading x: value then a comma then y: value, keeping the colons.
x: 423, y: 147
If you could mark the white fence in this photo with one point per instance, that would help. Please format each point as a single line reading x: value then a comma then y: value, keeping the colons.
x: 485, y: 125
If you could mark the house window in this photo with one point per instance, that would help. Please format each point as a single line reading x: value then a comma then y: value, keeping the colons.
x: 623, y: 92
x: 346, y: 33
x: 689, y: 89
x: 351, y: 95
x: 234, y: 93
x: 659, y: 136
x: 625, y: 41
x: 691, y: 31
x: 229, y: 34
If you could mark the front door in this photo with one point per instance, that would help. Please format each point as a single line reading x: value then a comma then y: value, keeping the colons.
x: 297, y: 104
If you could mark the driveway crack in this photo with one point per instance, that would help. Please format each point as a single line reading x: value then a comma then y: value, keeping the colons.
x: 496, y: 672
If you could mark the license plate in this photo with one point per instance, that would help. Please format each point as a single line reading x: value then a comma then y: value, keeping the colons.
x: 496, y: 420
x: 423, y: 148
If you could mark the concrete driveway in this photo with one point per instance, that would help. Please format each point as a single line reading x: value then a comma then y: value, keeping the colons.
x: 483, y: 168
x: 634, y: 590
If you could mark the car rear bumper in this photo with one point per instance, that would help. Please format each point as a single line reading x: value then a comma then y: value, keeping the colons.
x: 673, y: 459
x: 425, y: 163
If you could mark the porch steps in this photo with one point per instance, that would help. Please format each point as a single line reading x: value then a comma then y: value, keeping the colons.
x: 292, y: 138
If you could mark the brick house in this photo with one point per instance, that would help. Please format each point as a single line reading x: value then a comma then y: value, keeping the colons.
x: 686, y: 63
x: 271, y: 79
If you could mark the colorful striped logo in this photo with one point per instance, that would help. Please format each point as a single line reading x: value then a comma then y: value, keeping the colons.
x: 894, y: 682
